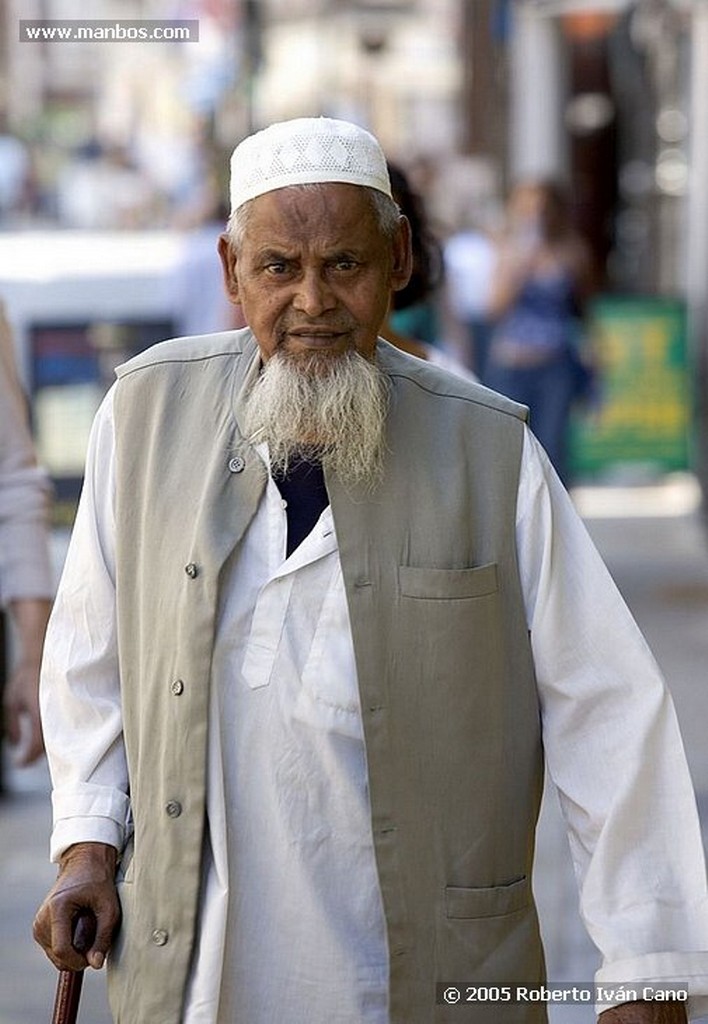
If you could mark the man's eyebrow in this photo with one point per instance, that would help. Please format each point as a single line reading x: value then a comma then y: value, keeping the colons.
x: 346, y: 252
x: 273, y: 253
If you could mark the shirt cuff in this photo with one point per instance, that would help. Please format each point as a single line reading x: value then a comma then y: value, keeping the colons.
x: 89, y: 814
x: 623, y: 981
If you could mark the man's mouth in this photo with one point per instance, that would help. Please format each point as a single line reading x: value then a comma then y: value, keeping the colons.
x: 317, y: 337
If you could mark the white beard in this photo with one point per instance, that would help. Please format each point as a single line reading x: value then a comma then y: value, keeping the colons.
x: 321, y: 407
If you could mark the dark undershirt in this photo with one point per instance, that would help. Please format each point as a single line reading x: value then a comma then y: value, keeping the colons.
x: 303, y: 489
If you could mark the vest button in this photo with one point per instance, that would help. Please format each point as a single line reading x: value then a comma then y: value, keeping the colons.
x: 159, y: 937
x: 237, y: 464
x: 192, y: 570
x: 173, y: 808
x: 177, y: 688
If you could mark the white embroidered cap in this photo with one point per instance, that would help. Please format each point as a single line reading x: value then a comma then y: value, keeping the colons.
x: 305, y: 150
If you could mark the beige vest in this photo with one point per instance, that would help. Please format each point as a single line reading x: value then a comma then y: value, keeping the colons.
x: 449, y: 703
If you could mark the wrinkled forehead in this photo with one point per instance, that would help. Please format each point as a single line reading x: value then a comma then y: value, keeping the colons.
x: 328, y: 215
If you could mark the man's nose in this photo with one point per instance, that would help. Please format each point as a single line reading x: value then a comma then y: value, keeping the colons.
x: 314, y: 296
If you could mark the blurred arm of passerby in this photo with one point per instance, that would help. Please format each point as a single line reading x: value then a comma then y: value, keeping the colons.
x: 512, y: 268
x: 25, y: 571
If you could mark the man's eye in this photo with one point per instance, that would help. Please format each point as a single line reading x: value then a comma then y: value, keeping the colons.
x: 276, y: 268
x: 345, y: 265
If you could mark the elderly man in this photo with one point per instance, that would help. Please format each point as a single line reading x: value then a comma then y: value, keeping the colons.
x: 322, y: 604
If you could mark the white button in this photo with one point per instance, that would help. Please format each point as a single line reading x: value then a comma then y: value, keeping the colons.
x: 237, y: 464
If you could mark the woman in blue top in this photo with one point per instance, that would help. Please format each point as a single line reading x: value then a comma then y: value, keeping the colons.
x: 541, y: 283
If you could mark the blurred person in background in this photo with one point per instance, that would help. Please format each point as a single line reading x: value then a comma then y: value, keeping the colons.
x: 414, y: 309
x: 412, y: 324
x: 195, y: 290
x: 26, y: 584
x: 341, y: 605
x: 540, y: 286
x: 15, y: 174
x: 469, y: 258
x: 102, y: 188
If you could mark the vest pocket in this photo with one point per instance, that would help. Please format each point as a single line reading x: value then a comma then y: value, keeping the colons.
x: 447, y: 584
x: 489, y: 901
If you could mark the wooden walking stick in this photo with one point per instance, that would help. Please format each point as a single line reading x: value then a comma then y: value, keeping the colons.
x: 66, y: 1001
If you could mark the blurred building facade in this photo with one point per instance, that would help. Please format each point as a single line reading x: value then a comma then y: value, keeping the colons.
x: 470, y: 95
x: 604, y: 94
x: 611, y: 96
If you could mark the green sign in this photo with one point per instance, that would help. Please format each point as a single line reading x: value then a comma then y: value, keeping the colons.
x: 643, y: 410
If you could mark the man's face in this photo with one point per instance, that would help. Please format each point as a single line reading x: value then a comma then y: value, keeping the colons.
x: 315, y: 272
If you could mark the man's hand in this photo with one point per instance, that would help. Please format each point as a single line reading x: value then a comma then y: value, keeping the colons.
x: 645, y: 1013
x: 86, y: 881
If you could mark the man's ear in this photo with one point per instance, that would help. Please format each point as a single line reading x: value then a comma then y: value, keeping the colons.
x: 227, y: 255
x: 402, y: 256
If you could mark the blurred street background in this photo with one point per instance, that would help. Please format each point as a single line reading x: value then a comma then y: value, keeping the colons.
x: 113, y: 189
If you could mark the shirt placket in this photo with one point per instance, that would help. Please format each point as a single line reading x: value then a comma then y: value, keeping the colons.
x: 273, y: 600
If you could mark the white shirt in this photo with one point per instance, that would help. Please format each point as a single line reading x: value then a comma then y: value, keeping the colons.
x: 292, y: 912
